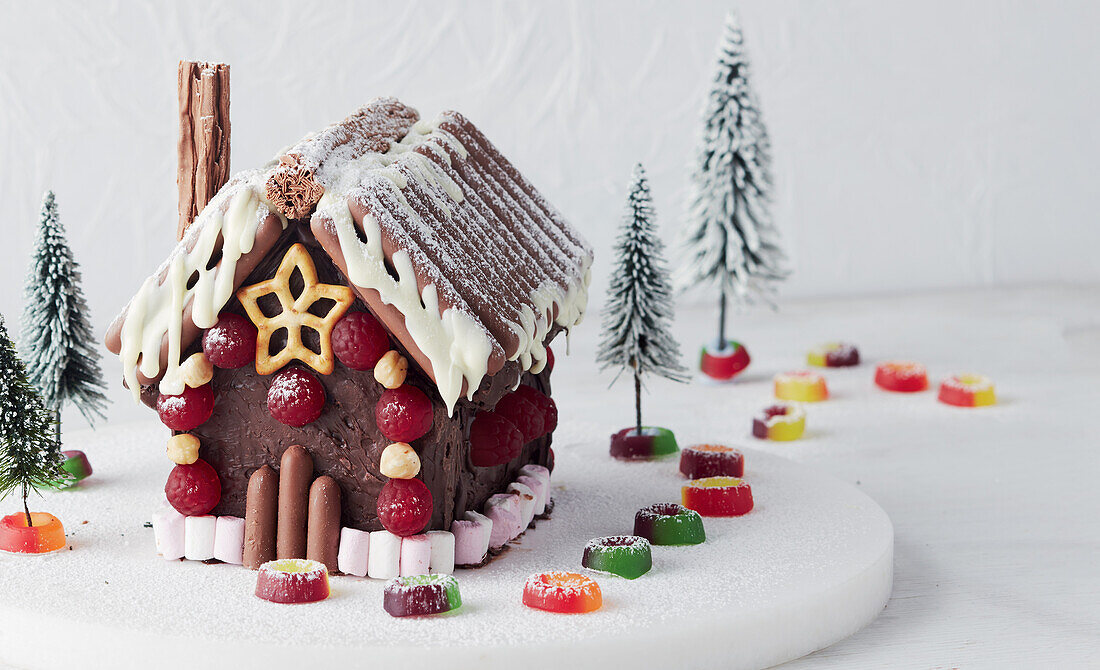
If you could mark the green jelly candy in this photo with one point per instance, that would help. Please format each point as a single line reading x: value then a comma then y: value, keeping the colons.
x: 623, y: 555
x: 654, y: 442
x: 420, y: 595
x: 669, y: 524
x: 77, y: 465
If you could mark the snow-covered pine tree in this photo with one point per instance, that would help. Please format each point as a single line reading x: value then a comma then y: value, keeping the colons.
x: 639, y: 310
x: 30, y: 457
x: 62, y: 357
x: 729, y: 240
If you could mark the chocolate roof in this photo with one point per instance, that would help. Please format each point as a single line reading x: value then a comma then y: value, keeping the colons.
x: 445, y: 241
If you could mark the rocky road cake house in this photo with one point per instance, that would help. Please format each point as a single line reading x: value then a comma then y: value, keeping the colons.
x: 351, y: 345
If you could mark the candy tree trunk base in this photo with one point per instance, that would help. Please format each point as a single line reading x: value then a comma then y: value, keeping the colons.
x: 40, y: 534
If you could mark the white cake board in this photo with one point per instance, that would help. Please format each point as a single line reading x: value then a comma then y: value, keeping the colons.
x: 812, y: 564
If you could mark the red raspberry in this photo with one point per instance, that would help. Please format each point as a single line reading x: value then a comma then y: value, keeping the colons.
x: 403, y: 414
x: 544, y: 404
x: 193, y: 489
x: 359, y: 340
x: 186, y: 411
x: 295, y: 397
x: 523, y: 414
x: 549, y: 360
x: 231, y: 342
x: 550, y: 459
x: 405, y: 506
x: 494, y: 440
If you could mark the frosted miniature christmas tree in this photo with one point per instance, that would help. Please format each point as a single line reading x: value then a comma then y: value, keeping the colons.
x: 729, y: 241
x: 62, y: 357
x: 637, y: 320
x: 30, y: 457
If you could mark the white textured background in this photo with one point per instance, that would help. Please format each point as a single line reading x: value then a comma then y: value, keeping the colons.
x: 921, y: 145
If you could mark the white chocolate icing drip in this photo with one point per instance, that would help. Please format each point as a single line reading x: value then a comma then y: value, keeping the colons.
x: 158, y: 308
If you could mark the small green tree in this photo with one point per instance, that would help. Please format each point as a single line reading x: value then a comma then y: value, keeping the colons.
x: 61, y: 352
x: 639, y: 309
x: 30, y: 457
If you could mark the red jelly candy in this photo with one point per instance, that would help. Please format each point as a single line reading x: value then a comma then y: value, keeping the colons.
x: 544, y: 404
x: 403, y: 414
x: 901, y: 377
x: 295, y: 397
x: 494, y: 440
x: 358, y: 340
x: 231, y: 342
x: 405, y: 506
x: 718, y: 496
x: 711, y: 460
x: 186, y: 411
x: 193, y: 489
x: 549, y: 360
x: 523, y: 414
x: 292, y: 581
x: 563, y: 592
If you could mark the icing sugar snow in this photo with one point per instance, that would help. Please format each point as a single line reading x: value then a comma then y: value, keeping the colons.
x: 807, y: 534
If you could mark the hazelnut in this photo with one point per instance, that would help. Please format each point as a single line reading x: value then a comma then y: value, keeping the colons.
x: 390, y: 370
x: 399, y: 461
x: 183, y: 449
x: 197, y: 370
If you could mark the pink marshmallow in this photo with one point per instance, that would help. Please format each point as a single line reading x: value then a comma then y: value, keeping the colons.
x: 169, y: 533
x: 229, y: 540
x: 443, y: 552
x: 539, y: 488
x: 471, y: 538
x: 353, y: 556
x: 416, y: 555
x: 526, y: 503
x: 503, y: 509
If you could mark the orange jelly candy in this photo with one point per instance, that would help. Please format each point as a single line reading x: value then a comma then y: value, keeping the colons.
x: 46, y: 533
x: 562, y: 592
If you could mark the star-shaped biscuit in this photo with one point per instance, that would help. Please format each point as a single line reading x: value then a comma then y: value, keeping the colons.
x: 295, y: 314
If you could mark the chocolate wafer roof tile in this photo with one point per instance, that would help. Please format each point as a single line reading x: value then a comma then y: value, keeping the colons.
x: 458, y: 255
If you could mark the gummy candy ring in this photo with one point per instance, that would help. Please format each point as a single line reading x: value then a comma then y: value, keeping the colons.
x: 46, y: 533
x: 781, y: 422
x: 77, y: 465
x: 901, y: 377
x: 421, y: 595
x: 292, y: 580
x: 968, y: 390
x: 833, y: 355
x: 669, y: 524
x: 654, y: 442
x: 802, y: 386
x: 562, y: 592
x: 718, y: 496
x: 723, y: 362
x: 627, y: 556
x: 710, y: 460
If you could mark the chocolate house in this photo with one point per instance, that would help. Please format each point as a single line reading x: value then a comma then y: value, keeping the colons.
x: 383, y: 295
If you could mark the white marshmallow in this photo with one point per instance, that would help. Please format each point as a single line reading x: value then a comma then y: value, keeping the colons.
x: 527, y: 501
x: 443, y: 552
x: 198, y: 539
x: 384, y: 561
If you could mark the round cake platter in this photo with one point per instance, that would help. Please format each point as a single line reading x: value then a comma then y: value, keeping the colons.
x: 810, y: 565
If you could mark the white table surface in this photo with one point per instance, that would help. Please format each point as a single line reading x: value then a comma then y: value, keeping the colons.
x: 996, y: 510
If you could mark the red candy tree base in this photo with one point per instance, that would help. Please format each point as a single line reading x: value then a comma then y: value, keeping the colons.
x: 725, y: 363
x: 46, y: 535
